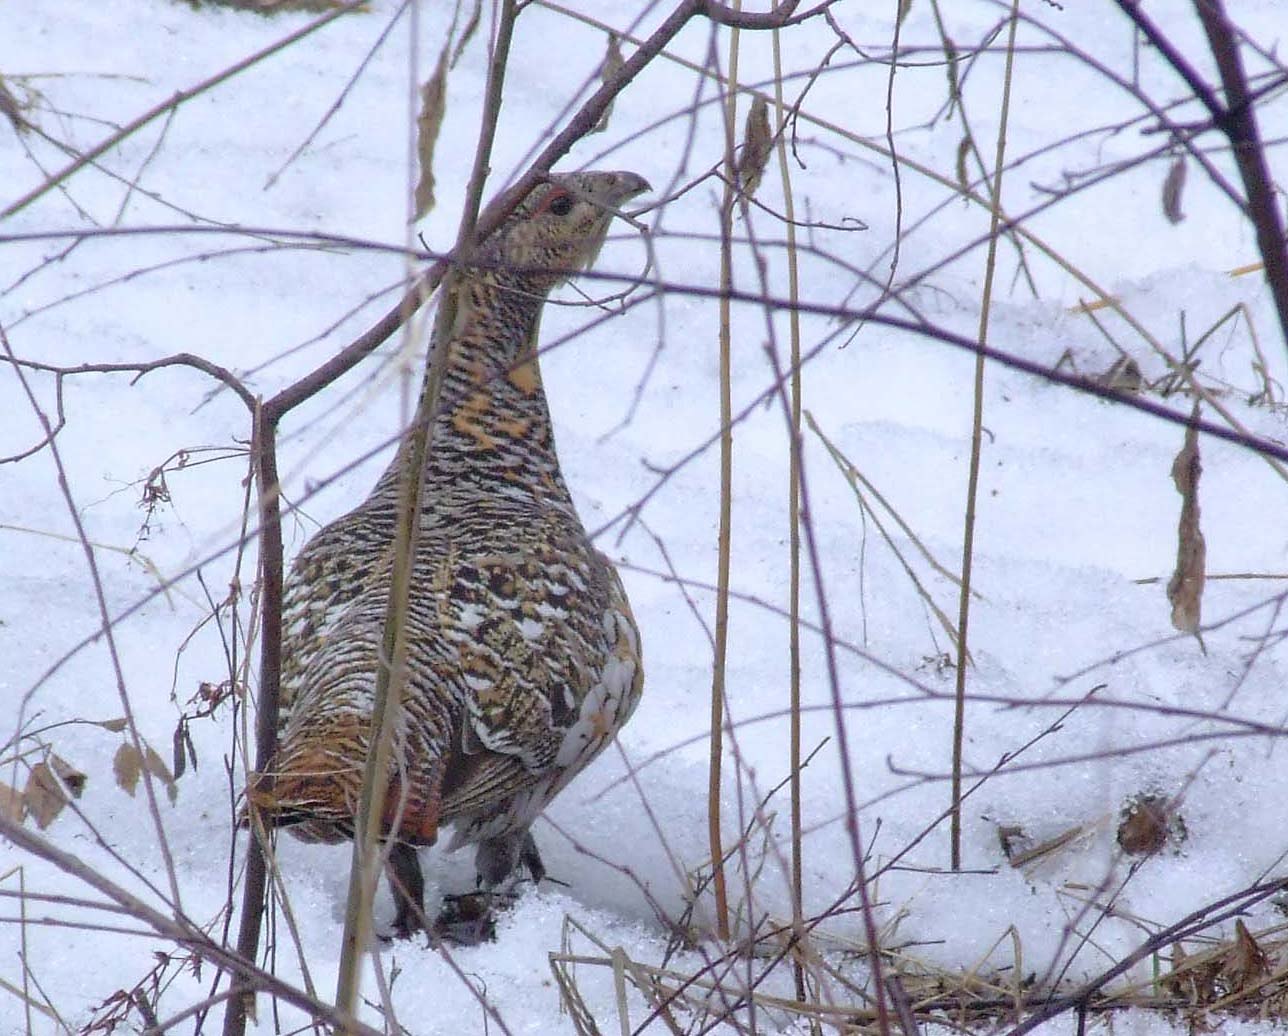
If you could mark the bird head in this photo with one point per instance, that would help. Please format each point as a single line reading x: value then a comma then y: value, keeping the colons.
x: 559, y: 228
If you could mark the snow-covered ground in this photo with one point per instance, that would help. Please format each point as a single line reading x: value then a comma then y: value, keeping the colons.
x: 1077, y: 514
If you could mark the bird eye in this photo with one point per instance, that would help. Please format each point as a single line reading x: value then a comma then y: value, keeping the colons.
x: 560, y: 204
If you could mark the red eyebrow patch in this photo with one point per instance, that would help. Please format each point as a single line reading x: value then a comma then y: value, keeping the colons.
x: 558, y: 201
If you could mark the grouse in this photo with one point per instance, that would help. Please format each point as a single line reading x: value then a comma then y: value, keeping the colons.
x: 523, y: 655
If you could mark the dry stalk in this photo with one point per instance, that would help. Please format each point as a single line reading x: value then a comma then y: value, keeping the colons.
x: 726, y: 498
x: 968, y: 520
x: 859, y: 483
x: 794, y: 536
x: 391, y: 676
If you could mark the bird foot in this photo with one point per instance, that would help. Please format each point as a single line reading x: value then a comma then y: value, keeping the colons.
x: 468, y: 919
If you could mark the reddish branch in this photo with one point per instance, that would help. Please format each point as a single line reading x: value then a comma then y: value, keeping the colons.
x: 1237, y: 119
x: 1239, y: 123
x: 268, y: 416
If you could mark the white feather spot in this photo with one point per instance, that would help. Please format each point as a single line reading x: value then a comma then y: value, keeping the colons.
x: 472, y: 616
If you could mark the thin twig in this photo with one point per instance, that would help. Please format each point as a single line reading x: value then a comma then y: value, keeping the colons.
x: 100, y: 598
x: 165, y: 107
x: 177, y: 930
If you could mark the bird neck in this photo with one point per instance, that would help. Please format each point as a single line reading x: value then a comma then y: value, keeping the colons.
x: 492, y: 362
x: 492, y: 436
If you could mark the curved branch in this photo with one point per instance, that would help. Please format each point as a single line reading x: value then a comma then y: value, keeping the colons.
x: 220, y: 374
x: 582, y: 123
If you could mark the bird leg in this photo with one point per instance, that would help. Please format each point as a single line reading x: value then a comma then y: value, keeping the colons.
x: 530, y: 857
x: 497, y: 860
x: 407, y: 883
x: 469, y: 919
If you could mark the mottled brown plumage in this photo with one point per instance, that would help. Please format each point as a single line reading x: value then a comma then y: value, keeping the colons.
x: 524, y: 659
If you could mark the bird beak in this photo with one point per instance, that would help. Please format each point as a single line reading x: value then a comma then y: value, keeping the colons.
x: 614, y: 190
x: 632, y: 185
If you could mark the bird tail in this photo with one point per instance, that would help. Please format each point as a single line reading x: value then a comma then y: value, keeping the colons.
x: 317, y: 797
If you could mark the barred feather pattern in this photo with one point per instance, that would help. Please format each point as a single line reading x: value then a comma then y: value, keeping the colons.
x: 523, y: 655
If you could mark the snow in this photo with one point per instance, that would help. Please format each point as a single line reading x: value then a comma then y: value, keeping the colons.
x: 1077, y: 513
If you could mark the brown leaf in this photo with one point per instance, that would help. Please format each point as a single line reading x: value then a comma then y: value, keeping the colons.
x: 1246, y: 962
x: 433, y: 106
x: 127, y: 764
x: 185, y: 752
x: 1123, y: 375
x: 12, y: 806
x: 1190, y: 978
x: 176, y: 751
x: 43, y: 796
x: 1173, y: 188
x: 963, y: 150
x: 904, y: 7
x: 71, y: 777
x: 608, y: 69
x: 156, y: 766
x: 114, y: 725
x: 757, y: 146
x: 1185, y: 588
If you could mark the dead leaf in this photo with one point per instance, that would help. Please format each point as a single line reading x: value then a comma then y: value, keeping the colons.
x: 608, y: 69
x: 757, y: 146
x: 1123, y: 375
x: 433, y: 106
x: 963, y: 150
x: 11, y: 804
x: 180, y: 763
x: 904, y: 7
x: 156, y: 766
x: 43, y: 796
x: 1192, y: 979
x: 114, y: 725
x: 1185, y: 588
x: 127, y: 764
x: 73, y: 780
x: 1246, y: 963
x: 1173, y: 188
